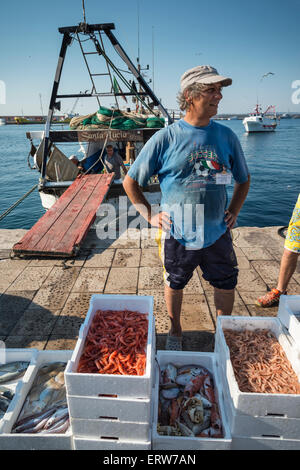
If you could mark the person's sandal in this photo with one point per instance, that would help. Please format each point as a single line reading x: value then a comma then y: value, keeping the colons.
x: 173, y: 343
x: 270, y: 299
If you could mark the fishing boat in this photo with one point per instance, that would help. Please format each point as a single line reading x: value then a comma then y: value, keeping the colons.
x: 259, y: 121
x: 56, y: 171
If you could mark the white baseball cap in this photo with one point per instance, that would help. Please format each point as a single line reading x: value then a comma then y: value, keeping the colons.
x: 205, y: 74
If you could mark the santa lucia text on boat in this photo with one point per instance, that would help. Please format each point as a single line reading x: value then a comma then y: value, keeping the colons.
x: 261, y: 121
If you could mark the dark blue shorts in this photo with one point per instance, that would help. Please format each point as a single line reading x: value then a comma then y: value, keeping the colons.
x: 218, y: 263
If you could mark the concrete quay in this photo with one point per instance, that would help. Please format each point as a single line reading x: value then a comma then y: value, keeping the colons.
x: 44, y: 301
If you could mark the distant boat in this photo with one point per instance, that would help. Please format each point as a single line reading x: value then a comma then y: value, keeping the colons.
x: 285, y: 116
x: 260, y: 121
x: 2, y: 122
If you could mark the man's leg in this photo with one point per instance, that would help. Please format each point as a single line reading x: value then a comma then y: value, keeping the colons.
x: 287, y: 268
x: 173, y: 299
x: 224, y: 300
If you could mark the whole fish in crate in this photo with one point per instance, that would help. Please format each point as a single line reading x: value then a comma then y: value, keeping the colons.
x: 12, y: 370
x: 45, y: 408
x: 187, y: 402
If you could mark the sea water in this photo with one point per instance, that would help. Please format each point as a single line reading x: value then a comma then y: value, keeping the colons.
x: 273, y: 160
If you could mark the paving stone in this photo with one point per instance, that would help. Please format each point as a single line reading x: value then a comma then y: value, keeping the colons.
x: 62, y: 278
x: 191, y: 341
x: 56, y: 342
x: 77, y: 305
x: 35, y: 322
x: 51, y: 298
x: 249, y: 279
x: 12, y: 307
x: 195, y: 314
x: 9, y: 237
x: 268, y: 270
x: 127, y: 258
x: 34, y: 342
x: 150, y: 257
x: 101, y: 259
x: 148, y: 236
x: 243, y: 262
x: 67, y: 326
x: 78, y: 261
x: 91, y: 280
x: 239, y: 307
x: 131, y: 238
x: 257, y: 253
x: 31, y: 278
x: 151, y: 278
x: 162, y: 322
x: 122, y: 281
x: 9, y: 272
x: 256, y: 311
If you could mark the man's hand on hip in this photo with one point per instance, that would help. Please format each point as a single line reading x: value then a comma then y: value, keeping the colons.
x: 161, y: 220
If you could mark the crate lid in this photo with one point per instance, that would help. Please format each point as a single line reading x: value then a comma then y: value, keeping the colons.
x: 289, y: 316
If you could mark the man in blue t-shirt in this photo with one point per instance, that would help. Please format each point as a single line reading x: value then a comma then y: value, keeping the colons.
x: 194, y: 159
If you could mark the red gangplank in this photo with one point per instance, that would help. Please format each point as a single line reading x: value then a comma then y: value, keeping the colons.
x: 60, y: 231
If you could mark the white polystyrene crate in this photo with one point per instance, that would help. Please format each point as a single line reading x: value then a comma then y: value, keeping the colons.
x: 123, y: 409
x: 255, y: 404
x: 110, y: 428
x: 159, y: 442
x: 39, y: 441
x: 115, y: 444
x: 289, y: 315
x: 83, y: 384
x: 264, y: 443
x: 8, y: 355
x: 245, y: 425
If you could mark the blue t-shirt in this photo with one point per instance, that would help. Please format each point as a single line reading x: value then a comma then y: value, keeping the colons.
x: 187, y: 160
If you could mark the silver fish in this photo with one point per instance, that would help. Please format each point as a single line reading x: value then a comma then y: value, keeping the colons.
x: 12, y: 370
x: 47, y: 390
x: 27, y: 424
x: 7, y: 393
x: 4, y: 403
x: 59, y: 427
x: 57, y: 416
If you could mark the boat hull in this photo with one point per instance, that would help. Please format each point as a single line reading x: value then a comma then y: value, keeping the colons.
x: 259, y: 125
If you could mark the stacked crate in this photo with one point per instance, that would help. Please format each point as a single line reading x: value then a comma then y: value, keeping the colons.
x: 258, y: 420
x: 107, y: 411
x: 179, y: 359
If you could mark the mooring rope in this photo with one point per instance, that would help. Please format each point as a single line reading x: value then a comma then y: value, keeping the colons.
x: 18, y: 202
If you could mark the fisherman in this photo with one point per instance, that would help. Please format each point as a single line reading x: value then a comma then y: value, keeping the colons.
x: 113, y: 162
x: 189, y: 157
x: 288, y: 262
x: 76, y: 162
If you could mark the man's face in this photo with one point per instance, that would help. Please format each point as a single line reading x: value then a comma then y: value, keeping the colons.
x: 109, y: 151
x: 208, y: 100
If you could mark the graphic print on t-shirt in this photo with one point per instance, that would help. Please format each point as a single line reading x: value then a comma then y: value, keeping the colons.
x: 204, y: 164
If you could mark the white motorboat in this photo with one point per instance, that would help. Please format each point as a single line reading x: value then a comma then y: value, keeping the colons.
x: 2, y: 122
x: 259, y: 121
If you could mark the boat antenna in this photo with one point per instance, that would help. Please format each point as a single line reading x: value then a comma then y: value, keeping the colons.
x: 83, y: 8
x: 261, y: 79
x: 153, y: 58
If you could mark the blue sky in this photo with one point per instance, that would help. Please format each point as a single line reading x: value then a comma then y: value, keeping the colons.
x: 243, y: 40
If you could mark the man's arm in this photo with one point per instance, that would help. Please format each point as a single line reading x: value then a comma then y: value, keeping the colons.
x: 238, y: 198
x: 136, y: 196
